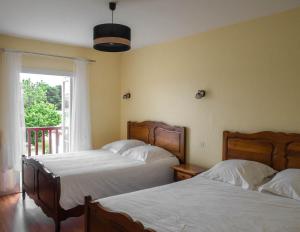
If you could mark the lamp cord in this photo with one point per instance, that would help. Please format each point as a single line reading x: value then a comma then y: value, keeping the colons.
x: 112, y: 6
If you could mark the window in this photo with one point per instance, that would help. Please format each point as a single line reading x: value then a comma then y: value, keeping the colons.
x: 47, y: 112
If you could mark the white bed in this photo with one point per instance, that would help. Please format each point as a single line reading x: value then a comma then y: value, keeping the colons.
x: 223, y: 199
x: 102, y: 173
x: 200, y: 204
x: 59, y: 183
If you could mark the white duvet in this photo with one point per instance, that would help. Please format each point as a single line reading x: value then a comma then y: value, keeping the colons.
x: 101, y: 173
x: 202, y: 205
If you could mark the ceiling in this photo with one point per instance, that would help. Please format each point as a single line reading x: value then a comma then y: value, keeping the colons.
x: 152, y: 21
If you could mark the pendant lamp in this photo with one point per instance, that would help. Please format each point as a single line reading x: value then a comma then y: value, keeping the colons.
x: 112, y: 37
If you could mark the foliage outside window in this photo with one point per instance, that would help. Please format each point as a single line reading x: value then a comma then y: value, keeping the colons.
x: 42, y: 104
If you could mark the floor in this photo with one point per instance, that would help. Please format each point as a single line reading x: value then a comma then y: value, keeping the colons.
x: 19, y: 216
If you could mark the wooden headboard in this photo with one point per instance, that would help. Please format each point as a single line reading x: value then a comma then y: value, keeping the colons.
x: 171, y: 138
x: 278, y: 150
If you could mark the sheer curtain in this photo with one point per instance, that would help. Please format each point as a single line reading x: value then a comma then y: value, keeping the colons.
x: 80, y: 136
x: 12, y: 123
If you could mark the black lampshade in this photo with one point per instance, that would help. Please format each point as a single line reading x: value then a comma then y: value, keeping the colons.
x: 112, y: 37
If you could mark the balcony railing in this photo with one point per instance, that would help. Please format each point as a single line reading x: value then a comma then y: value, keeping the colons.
x: 48, y: 136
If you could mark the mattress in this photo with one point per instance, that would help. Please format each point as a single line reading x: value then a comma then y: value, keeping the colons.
x: 101, y: 173
x: 200, y: 204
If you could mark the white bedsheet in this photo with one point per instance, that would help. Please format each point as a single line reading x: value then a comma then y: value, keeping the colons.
x: 200, y: 204
x: 101, y: 173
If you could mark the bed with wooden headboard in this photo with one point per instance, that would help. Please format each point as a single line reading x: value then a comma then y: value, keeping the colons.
x: 278, y: 150
x: 171, y: 138
x: 44, y: 187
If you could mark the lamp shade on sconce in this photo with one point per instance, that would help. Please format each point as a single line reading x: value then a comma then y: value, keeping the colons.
x: 200, y: 94
x: 112, y: 37
x: 127, y: 96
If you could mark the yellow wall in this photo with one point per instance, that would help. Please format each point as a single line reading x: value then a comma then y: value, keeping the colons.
x: 251, y: 72
x: 104, y: 80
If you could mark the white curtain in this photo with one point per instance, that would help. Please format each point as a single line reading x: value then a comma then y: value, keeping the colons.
x: 12, y: 123
x: 80, y: 136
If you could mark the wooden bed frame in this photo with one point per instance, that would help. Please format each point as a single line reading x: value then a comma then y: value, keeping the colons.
x: 44, y: 187
x: 278, y: 150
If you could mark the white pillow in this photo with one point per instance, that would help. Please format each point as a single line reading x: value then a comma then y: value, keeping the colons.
x: 147, y: 153
x: 122, y: 145
x: 285, y: 183
x: 244, y: 173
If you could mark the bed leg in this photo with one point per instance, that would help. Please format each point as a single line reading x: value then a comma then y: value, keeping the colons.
x: 87, y: 200
x: 23, y: 194
x: 57, y: 226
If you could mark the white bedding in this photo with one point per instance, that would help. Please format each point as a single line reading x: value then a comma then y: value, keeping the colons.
x: 205, y: 205
x: 101, y: 173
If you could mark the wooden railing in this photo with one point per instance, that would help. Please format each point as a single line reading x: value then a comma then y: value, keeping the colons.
x: 42, y: 133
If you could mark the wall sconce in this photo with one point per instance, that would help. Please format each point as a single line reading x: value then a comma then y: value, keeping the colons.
x: 200, y: 94
x: 127, y: 96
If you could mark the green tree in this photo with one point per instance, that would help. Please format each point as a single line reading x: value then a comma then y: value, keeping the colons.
x: 33, y: 93
x: 42, y: 114
x: 41, y: 92
x: 54, y: 96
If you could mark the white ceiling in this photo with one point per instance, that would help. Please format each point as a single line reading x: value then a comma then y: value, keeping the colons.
x: 151, y: 21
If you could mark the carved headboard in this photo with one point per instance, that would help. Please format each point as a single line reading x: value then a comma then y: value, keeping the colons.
x: 278, y: 150
x: 171, y: 138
